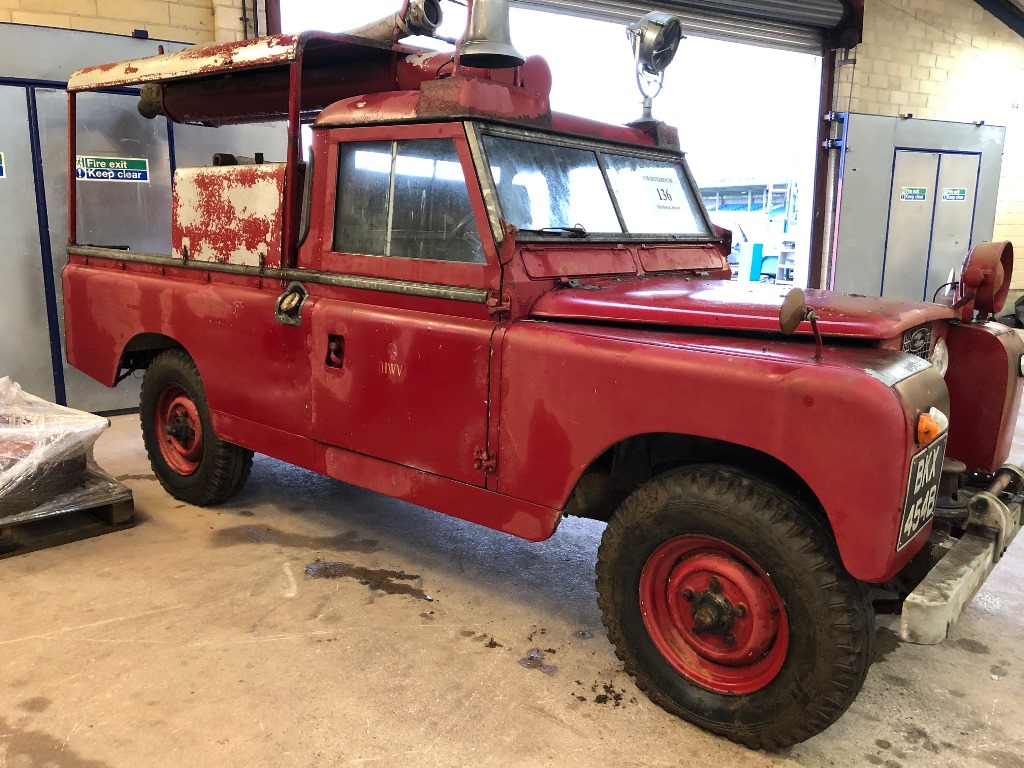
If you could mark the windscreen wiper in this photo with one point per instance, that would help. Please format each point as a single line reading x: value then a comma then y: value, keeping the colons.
x: 574, y: 231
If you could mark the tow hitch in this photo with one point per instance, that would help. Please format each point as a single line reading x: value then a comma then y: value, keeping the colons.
x: 993, y: 518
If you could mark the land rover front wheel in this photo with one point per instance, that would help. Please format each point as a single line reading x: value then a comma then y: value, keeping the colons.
x: 726, y: 602
x: 190, y: 461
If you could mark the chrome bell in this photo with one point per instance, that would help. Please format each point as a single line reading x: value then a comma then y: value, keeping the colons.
x: 488, y: 43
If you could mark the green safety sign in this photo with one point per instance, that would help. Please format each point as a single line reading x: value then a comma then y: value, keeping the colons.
x: 3, y: 168
x: 913, y: 194
x: 956, y: 194
x: 130, y: 169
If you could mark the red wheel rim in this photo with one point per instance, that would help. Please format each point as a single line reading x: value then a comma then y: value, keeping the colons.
x: 714, y: 614
x: 179, y: 430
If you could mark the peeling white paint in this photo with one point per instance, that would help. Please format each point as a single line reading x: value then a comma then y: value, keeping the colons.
x: 194, y: 60
x: 229, y: 214
x: 421, y: 59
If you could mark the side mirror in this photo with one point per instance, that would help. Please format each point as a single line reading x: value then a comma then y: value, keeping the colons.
x: 794, y: 311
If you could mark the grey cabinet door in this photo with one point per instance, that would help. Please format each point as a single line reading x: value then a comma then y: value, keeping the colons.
x: 25, y: 353
x: 911, y: 207
x: 955, y: 199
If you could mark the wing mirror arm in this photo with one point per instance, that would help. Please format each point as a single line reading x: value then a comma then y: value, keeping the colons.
x: 795, y: 311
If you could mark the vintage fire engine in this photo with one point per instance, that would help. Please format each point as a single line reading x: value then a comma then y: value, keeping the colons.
x: 466, y: 301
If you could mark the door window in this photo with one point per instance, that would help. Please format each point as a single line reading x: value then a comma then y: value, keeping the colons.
x: 405, y: 199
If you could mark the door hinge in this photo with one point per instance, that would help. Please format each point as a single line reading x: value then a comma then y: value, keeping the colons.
x: 498, y: 304
x: 484, y: 460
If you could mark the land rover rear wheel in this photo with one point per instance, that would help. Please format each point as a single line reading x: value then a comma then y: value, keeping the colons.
x: 726, y: 602
x: 190, y: 461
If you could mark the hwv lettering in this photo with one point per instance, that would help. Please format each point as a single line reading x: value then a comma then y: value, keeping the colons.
x: 391, y: 369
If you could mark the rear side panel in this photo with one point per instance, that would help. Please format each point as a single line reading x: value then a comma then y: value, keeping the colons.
x: 570, y: 392
x: 251, y: 366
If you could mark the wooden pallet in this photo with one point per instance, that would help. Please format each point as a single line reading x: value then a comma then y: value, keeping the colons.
x: 42, y: 533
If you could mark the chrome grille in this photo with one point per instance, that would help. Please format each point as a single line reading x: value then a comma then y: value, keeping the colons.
x: 918, y: 341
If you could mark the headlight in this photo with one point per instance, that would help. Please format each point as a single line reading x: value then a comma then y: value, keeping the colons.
x: 940, y: 356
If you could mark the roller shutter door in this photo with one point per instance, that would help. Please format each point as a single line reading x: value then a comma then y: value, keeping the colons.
x: 794, y: 25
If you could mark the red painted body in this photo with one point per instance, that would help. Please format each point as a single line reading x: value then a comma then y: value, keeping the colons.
x: 985, y: 366
x: 683, y: 301
x: 488, y: 389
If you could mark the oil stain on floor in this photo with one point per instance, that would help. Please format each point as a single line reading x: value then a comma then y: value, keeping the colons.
x: 379, y: 579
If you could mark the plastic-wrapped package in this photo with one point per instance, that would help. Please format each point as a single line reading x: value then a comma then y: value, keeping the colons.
x: 46, y: 464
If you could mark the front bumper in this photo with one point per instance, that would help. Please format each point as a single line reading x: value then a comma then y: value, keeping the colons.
x: 994, y: 521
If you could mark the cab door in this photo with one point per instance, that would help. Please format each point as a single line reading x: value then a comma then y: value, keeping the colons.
x: 401, y: 326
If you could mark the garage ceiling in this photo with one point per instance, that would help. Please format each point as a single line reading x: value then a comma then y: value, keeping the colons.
x: 1010, y: 12
x: 799, y: 25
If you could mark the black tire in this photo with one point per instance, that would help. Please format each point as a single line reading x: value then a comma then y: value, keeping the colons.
x: 827, y: 652
x: 219, y: 469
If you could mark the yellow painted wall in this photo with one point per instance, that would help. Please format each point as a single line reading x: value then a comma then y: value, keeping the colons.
x: 946, y: 60
x: 186, y: 21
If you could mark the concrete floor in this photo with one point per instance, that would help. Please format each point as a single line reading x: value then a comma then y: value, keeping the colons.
x: 197, y: 639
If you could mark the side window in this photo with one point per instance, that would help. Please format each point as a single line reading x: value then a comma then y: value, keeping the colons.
x: 364, y: 181
x: 406, y: 199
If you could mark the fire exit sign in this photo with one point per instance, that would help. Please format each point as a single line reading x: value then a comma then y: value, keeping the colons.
x: 3, y: 168
x: 955, y: 194
x: 913, y: 194
x: 129, y: 169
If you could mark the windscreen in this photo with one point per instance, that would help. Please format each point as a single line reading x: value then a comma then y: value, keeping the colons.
x: 550, y: 188
x: 654, y: 196
x: 544, y: 186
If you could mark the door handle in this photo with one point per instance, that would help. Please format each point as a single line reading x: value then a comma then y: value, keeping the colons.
x: 335, y: 351
x: 288, y: 307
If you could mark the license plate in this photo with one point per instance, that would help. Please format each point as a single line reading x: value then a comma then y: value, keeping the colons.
x: 922, y: 490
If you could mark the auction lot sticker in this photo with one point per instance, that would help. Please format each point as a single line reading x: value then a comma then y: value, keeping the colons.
x: 129, y: 169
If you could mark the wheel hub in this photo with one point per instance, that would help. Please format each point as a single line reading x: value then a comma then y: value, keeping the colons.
x: 714, y: 614
x: 179, y: 430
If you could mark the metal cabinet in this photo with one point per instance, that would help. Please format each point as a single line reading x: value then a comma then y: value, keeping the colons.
x: 913, y: 197
x: 25, y: 353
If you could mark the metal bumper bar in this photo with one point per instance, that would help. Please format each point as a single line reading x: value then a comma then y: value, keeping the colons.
x: 938, y: 601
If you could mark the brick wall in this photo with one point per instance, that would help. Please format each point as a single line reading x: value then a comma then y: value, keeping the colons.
x: 186, y: 21
x: 946, y: 60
